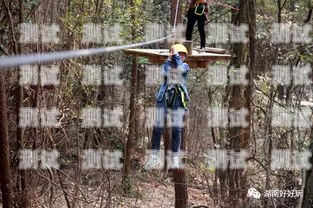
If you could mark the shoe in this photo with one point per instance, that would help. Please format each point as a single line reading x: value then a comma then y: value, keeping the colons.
x: 175, y: 162
x: 154, y: 162
x: 201, y: 50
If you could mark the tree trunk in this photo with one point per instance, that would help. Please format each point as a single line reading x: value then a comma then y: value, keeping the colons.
x: 279, y: 7
x: 244, y: 54
x: 280, y: 88
x: 21, y: 178
x: 132, y: 114
x: 5, y: 176
x: 131, y: 128
x: 292, y: 5
x: 307, y: 201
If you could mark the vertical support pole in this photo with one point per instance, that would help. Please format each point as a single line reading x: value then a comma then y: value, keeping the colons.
x: 181, y: 194
x: 167, y: 141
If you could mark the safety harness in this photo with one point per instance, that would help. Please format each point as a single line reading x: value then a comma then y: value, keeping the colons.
x: 199, y: 10
x: 172, y: 93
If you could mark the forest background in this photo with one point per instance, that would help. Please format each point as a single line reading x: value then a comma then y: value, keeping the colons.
x: 130, y: 21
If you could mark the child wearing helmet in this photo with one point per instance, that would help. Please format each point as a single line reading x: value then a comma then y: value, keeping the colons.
x: 197, y: 12
x: 171, y: 99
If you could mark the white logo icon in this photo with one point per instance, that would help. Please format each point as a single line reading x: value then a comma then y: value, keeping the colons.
x: 252, y: 192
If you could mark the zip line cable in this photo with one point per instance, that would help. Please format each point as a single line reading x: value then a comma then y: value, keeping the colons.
x: 14, y: 61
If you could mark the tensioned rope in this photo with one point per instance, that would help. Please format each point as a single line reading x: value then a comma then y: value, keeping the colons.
x: 14, y: 61
x: 175, y: 19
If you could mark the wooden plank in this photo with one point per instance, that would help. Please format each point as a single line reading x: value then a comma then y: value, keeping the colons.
x: 196, y: 55
x: 202, y: 64
x: 197, y: 59
x: 214, y: 50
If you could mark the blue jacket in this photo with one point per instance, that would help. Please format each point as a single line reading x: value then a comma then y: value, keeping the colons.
x: 166, y: 68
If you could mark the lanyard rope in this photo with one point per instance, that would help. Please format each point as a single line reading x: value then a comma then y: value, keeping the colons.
x: 175, y: 21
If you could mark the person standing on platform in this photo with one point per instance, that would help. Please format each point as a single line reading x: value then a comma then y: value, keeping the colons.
x: 197, y: 12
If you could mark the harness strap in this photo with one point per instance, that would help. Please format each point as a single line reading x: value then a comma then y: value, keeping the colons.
x: 172, y: 97
x: 196, y: 9
x: 182, y: 95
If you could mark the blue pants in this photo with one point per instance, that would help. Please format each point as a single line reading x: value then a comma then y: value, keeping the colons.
x: 177, y: 109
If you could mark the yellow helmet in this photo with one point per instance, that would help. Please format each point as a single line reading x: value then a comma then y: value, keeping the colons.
x: 180, y: 48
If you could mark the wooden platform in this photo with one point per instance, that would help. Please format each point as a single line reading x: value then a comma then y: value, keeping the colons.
x: 198, y: 58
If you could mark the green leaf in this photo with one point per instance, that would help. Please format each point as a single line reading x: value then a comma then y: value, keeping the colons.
x: 138, y: 2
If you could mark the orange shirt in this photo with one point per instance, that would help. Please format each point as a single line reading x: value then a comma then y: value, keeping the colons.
x: 193, y: 3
